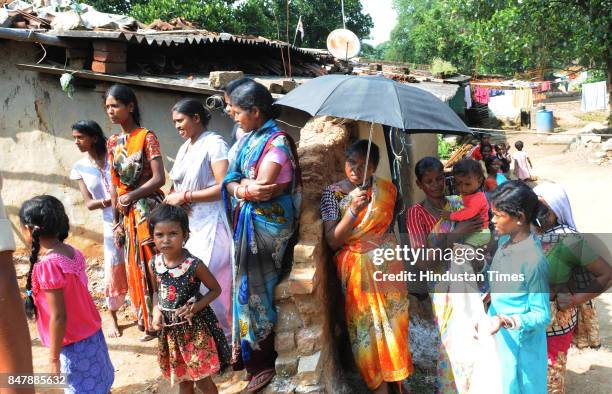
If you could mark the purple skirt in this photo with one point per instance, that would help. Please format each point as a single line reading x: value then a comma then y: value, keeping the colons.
x: 88, y: 366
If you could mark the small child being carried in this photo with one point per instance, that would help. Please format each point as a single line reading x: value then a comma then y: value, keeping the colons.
x: 469, y: 178
x: 192, y: 345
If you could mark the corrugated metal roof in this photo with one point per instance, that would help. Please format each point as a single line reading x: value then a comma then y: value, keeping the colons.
x: 443, y: 91
x: 170, y: 38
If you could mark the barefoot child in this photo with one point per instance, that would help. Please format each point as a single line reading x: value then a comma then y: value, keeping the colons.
x: 67, y: 320
x: 520, y: 310
x: 469, y: 178
x: 192, y: 346
x: 522, y: 163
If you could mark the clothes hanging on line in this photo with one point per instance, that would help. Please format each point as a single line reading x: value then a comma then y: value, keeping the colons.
x: 496, y: 92
x: 468, y: 97
x: 545, y: 86
x: 594, y: 96
x: 481, y: 95
x: 523, y: 99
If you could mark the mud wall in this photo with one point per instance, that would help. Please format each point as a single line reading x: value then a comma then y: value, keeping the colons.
x: 36, y: 147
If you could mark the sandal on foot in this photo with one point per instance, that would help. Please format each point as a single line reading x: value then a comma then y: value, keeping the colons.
x: 148, y: 336
x: 260, y: 380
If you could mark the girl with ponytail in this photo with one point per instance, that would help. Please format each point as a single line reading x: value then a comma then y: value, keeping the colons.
x: 67, y: 320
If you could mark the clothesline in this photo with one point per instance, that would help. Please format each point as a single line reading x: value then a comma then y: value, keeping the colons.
x: 511, y: 85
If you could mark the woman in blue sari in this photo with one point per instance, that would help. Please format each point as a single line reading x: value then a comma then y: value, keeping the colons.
x: 262, y: 192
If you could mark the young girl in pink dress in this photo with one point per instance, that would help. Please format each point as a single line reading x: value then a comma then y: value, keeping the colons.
x: 66, y: 317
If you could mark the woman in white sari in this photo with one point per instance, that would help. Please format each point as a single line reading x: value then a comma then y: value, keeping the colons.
x: 198, y: 172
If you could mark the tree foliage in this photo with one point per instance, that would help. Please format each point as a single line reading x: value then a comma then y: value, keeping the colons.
x: 503, y: 36
x: 213, y: 15
x: 267, y: 18
x: 319, y: 18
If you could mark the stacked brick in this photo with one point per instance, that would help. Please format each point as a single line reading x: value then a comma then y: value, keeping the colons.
x: 109, y: 57
x: 305, y: 362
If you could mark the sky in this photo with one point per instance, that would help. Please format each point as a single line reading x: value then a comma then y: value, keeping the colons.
x: 384, y: 17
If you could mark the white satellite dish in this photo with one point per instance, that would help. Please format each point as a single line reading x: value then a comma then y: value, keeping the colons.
x: 343, y: 44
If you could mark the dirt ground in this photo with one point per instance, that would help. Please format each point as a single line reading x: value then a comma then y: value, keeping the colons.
x: 589, y: 187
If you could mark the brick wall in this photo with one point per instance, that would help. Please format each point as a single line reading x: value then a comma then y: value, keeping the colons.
x: 306, y: 360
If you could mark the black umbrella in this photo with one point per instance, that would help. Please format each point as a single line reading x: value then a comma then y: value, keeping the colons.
x: 375, y: 99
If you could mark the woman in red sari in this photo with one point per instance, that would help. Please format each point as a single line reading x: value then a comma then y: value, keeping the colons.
x: 137, y: 172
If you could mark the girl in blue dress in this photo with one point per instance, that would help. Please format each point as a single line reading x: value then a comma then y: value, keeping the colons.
x: 518, y: 277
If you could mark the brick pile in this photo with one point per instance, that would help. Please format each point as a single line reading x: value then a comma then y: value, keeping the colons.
x: 304, y: 342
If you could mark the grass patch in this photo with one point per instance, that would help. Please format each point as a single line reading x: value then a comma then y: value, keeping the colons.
x: 595, y: 116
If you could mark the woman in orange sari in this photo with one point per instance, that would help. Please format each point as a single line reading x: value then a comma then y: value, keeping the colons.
x: 137, y: 172
x: 358, y: 226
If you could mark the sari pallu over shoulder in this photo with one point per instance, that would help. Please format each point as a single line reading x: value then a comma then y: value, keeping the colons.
x: 127, y: 159
x: 376, y: 311
x: 263, y: 235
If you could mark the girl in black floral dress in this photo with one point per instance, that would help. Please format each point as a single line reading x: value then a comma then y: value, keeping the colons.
x: 192, y: 346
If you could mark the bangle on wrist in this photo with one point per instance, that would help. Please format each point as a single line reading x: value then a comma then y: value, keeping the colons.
x: 236, y: 193
x: 185, y: 196
x: 191, y: 196
x: 353, y: 214
x: 246, y: 192
x: 122, y: 204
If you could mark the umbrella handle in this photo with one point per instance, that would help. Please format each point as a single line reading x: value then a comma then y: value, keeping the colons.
x: 365, y: 169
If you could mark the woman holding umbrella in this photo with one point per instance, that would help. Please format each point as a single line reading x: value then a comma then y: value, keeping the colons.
x: 357, y: 222
x: 264, y: 180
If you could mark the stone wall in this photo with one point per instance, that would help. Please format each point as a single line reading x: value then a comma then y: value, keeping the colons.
x: 304, y: 332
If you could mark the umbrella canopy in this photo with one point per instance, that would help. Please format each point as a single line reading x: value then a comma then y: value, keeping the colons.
x: 375, y: 99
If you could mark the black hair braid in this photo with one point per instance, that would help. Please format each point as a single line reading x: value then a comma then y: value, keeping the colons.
x: 46, y: 217
x: 30, y: 308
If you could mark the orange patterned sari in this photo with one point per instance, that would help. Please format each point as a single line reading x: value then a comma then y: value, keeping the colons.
x: 130, y: 156
x: 376, y: 312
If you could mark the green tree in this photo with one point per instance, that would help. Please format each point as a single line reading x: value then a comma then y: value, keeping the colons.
x: 427, y: 29
x: 374, y: 52
x: 213, y: 15
x: 122, y: 7
x: 319, y: 18
x: 267, y: 18
x: 503, y: 36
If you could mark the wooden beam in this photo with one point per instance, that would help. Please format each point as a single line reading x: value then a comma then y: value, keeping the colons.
x: 127, y: 79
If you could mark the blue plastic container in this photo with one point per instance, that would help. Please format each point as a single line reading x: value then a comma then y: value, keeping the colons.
x: 544, y: 121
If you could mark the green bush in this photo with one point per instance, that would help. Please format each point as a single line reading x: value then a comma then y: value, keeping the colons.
x: 442, y: 67
x: 444, y: 148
